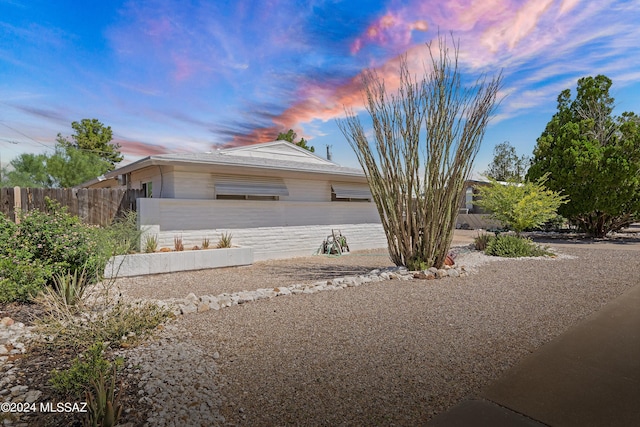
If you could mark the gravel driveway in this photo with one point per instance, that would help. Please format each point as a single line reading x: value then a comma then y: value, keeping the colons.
x: 386, y: 353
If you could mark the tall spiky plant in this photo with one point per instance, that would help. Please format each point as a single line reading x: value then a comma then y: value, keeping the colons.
x: 416, y: 180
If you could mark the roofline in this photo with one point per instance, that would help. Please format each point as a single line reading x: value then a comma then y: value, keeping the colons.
x: 156, y: 161
x: 278, y: 141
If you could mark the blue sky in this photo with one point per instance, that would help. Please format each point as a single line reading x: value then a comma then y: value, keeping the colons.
x: 176, y: 76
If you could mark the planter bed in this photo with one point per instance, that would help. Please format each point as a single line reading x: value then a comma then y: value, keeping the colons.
x: 168, y: 262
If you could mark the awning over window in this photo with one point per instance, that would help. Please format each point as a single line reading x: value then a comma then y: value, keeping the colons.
x: 351, y: 191
x: 249, y: 186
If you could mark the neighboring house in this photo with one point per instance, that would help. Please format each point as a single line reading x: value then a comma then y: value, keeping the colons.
x: 278, y: 198
x: 471, y: 216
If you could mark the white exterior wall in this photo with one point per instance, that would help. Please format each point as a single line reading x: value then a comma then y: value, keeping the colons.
x: 182, y: 214
x: 282, y: 242
x: 274, y: 229
x: 307, y: 190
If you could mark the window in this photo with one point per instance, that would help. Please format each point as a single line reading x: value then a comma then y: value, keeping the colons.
x: 348, y: 192
x: 249, y: 188
x: 147, y: 188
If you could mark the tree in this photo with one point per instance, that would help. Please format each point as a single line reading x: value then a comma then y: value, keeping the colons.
x: 29, y: 170
x: 290, y: 136
x: 91, y: 135
x: 593, y: 157
x: 521, y: 205
x: 506, y: 165
x: 89, y: 155
x: 416, y: 180
x: 69, y: 166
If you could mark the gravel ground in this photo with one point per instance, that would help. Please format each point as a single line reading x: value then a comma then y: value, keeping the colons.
x: 386, y: 353
x: 263, y: 274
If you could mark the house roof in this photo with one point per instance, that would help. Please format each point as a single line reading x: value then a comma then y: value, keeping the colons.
x: 276, y: 155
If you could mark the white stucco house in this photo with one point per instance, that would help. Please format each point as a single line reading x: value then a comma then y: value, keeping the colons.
x: 275, y: 197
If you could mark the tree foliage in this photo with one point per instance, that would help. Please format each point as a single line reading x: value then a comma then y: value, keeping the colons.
x: 593, y: 157
x: 92, y: 136
x: 520, y: 206
x: 416, y: 178
x: 72, y: 163
x: 506, y: 165
x: 28, y: 170
x: 290, y: 136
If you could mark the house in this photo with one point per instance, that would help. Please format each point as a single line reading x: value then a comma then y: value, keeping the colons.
x: 275, y: 197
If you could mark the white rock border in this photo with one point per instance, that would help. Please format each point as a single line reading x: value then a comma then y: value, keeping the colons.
x: 194, y: 304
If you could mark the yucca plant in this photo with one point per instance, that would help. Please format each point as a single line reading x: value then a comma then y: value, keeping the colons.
x: 177, y: 244
x: 151, y: 244
x: 225, y: 240
x: 104, y: 408
x: 68, y: 289
x: 205, y: 243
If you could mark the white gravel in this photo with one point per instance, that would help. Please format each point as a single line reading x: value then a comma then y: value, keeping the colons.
x: 385, y: 353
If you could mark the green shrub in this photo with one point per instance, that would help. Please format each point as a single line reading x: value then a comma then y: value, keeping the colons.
x: 513, y: 247
x: 76, y: 380
x: 520, y: 206
x: 44, y: 245
x: 21, y: 275
x: 120, y: 324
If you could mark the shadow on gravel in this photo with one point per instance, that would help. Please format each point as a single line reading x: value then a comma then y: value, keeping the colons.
x: 581, y: 239
x: 311, y: 272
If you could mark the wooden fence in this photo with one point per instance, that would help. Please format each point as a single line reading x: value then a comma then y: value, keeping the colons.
x: 97, y: 206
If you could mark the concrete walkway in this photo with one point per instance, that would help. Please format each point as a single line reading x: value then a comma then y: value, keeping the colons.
x: 588, y: 376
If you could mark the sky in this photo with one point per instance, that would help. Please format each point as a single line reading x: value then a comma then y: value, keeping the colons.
x: 190, y: 76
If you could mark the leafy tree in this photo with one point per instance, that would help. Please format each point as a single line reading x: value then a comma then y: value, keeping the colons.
x: 593, y: 157
x: 416, y: 178
x: 290, y: 136
x: 69, y: 166
x: 29, y: 170
x: 521, y: 206
x: 91, y: 135
x: 506, y: 165
x: 88, y: 155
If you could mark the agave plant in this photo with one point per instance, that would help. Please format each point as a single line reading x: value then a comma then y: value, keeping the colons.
x: 151, y: 244
x: 225, y: 240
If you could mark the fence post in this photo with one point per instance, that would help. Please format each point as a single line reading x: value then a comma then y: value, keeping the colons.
x: 17, y: 204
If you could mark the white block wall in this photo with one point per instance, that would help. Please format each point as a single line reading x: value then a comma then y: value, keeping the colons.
x: 274, y: 229
x: 280, y: 242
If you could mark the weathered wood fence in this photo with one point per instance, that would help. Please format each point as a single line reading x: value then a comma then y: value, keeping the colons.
x: 98, y: 206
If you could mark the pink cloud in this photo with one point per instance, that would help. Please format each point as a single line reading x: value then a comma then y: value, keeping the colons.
x: 391, y: 29
x: 136, y: 148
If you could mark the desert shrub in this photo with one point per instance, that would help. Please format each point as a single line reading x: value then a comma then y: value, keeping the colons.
x: 225, y: 240
x: 55, y: 243
x: 520, y: 206
x: 86, y: 368
x: 123, y: 236
x: 205, y: 243
x: 21, y: 275
x: 119, y: 323
x: 513, y: 247
x: 481, y: 241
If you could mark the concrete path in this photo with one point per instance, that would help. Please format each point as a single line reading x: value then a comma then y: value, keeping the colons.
x: 588, y: 376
